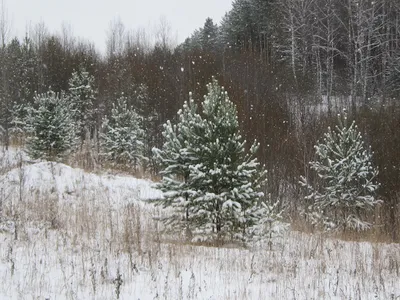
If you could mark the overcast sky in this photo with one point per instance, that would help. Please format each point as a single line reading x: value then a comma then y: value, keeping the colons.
x: 90, y: 19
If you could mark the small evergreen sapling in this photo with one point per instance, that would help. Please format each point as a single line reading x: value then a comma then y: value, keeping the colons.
x: 271, y: 223
x: 345, y: 186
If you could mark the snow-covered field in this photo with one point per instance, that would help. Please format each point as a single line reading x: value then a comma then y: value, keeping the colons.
x: 68, y: 234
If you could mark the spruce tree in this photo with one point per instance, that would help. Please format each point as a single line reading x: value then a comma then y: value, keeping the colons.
x: 344, y: 185
x: 81, y: 97
x: 143, y: 104
x: 123, y: 135
x: 50, y: 127
x: 209, y: 181
x: 209, y: 35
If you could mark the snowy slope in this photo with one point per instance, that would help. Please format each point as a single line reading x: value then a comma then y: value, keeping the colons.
x: 68, y: 183
x: 78, y: 233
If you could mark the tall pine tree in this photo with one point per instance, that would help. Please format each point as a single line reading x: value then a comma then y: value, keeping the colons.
x: 209, y: 180
x: 175, y: 159
x: 228, y: 179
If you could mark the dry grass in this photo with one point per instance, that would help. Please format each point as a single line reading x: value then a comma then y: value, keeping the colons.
x: 378, y: 233
x: 91, y: 244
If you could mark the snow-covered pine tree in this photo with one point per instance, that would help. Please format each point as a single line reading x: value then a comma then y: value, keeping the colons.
x: 271, y: 224
x: 211, y: 184
x: 175, y: 159
x: 50, y: 127
x: 345, y: 186
x: 227, y: 179
x: 122, y: 140
x: 81, y: 94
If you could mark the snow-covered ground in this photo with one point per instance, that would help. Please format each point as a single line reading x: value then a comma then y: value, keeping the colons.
x: 68, y: 234
x: 11, y: 158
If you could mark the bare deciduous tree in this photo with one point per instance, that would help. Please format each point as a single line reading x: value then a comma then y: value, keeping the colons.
x: 163, y: 34
x: 5, y: 25
x: 115, y: 38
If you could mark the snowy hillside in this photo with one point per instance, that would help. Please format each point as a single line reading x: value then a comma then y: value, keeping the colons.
x: 68, y: 234
x: 69, y: 184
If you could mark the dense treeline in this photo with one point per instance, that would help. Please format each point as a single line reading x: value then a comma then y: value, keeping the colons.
x: 290, y: 66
